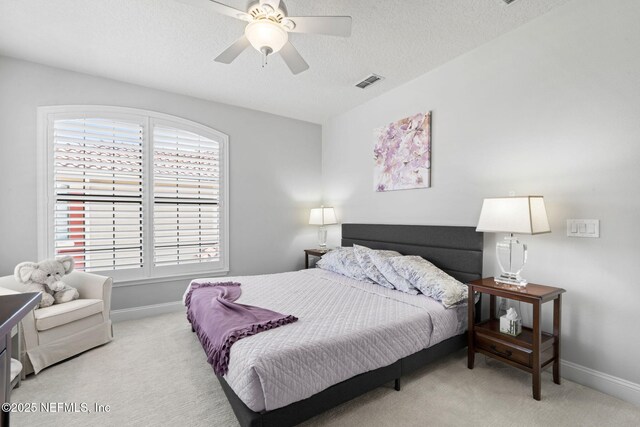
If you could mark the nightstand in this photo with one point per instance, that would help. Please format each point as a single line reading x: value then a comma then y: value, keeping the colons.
x: 532, y: 350
x: 313, y: 252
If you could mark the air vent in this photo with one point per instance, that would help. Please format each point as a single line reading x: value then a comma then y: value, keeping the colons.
x: 369, y: 80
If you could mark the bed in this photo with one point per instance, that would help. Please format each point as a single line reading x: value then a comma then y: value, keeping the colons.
x: 351, y: 336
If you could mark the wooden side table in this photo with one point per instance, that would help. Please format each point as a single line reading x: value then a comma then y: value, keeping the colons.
x: 313, y: 252
x: 532, y: 350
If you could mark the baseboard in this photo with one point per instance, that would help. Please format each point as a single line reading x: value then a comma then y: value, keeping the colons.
x: 146, y: 311
x: 618, y: 387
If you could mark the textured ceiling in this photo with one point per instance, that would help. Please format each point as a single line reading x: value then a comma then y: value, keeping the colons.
x: 170, y: 45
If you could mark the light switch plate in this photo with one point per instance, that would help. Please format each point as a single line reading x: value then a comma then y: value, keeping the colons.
x: 583, y: 228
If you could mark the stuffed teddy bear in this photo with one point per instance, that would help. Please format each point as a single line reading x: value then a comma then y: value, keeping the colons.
x: 45, y: 277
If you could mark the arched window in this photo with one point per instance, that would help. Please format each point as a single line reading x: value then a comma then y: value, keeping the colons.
x: 132, y: 193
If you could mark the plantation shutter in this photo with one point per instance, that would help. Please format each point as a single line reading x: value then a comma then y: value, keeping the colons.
x: 98, y: 176
x: 186, y: 174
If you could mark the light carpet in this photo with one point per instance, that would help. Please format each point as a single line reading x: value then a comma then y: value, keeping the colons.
x: 155, y: 373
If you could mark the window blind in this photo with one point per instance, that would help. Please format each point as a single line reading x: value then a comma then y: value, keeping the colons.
x: 98, y: 176
x: 186, y: 189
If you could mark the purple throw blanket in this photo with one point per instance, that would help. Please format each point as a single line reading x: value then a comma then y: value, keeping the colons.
x: 219, y: 321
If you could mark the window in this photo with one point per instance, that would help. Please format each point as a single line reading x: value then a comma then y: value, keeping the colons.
x: 131, y: 193
x: 185, y: 197
x: 97, y: 190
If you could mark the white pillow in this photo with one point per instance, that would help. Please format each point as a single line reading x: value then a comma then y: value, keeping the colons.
x: 364, y: 256
x: 383, y: 264
x: 343, y: 261
x: 430, y: 280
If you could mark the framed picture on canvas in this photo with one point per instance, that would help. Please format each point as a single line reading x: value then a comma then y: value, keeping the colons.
x: 402, y: 154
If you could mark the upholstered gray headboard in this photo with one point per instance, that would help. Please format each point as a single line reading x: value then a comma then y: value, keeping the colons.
x: 456, y: 250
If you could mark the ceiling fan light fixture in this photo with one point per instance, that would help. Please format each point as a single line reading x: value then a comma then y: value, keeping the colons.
x: 266, y: 34
x: 268, y: 30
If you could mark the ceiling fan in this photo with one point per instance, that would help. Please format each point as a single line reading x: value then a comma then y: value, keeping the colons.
x: 268, y: 30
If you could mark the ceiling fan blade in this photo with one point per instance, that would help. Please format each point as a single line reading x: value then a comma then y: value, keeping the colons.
x: 329, y: 25
x: 220, y: 8
x: 275, y: 4
x: 233, y: 51
x: 293, y: 59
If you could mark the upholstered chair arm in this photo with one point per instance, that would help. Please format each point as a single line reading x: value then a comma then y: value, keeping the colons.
x: 4, y: 290
x: 9, y: 285
x: 91, y: 286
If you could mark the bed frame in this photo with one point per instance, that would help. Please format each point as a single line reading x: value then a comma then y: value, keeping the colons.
x: 456, y: 250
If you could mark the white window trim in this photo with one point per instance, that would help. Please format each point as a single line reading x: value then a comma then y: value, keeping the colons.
x: 146, y: 118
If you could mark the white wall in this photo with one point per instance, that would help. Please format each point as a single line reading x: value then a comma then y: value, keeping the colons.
x: 275, y: 167
x: 552, y: 108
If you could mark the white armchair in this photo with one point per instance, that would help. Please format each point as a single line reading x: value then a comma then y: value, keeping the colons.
x: 55, y: 333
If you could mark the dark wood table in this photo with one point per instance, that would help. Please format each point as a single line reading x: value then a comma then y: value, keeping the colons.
x: 313, y: 252
x: 533, y: 349
x: 12, y: 309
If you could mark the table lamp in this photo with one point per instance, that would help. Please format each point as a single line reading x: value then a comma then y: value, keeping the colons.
x: 513, y: 215
x: 322, y: 216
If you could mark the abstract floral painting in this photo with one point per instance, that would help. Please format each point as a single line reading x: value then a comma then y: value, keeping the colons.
x: 402, y: 154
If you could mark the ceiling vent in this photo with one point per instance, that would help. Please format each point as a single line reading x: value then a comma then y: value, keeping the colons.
x: 369, y: 80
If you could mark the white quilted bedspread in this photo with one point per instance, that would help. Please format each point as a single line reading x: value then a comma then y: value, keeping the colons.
x: 345, y: 328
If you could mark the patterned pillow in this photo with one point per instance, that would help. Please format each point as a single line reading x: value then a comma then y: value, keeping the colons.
x: 430, y: 280
x: 332, y: 260
x: 383, y: 264
x: 364, y: 256
x: 343, y: 261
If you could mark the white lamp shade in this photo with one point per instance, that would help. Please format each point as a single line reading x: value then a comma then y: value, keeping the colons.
x: 322, y: 216
x: 520, y: 215
x: 265, y: 33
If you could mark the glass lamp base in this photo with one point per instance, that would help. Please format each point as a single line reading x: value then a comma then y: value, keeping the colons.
x: 322, y: 237
x: 512, y: 256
